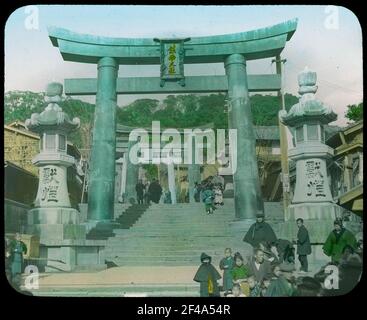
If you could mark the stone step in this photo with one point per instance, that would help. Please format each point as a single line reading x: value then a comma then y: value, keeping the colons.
x: 171, y: 221
x: 186, y: 212
x: 171, y: 231
x: 203, y: 230
x: 164, y: 249
x: 165, y: 253
x: 183, y: 223
x: 205, y: 218
x: 172, y: 247
x: 124, y: 262
x: 217, y: 247
x: 170, y: 244
x: 188, y: 224
x: 125, y: 290
x: 184, y: 236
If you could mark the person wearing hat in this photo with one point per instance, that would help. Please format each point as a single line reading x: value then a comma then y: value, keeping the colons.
x: 337, y: 240
x: 280, y: 285
x: 260, y: 231
x: 207, y: 276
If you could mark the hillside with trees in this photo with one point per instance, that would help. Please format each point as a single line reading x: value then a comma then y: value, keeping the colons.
x: 176, y: 111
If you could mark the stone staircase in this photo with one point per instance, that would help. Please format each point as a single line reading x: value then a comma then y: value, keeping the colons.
x: 125, y: 220
x: 176, y: 235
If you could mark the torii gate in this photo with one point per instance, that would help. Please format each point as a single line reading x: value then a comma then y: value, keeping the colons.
x: 232, y: 49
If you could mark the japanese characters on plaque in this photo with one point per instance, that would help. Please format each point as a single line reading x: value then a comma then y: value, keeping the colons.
x: 172, y: 60
x: 315, y: 179
x: 50, y: 184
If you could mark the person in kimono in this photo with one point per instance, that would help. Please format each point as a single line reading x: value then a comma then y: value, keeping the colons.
x: 226, y: 264
x: 218, y: 196
x: 197, y: 192
x: 167, y: 197
x: 155, y: 191
x: 279, y: 285
x: 240, y: 273
x: 207, y: 276
x: 260, y: 231
x: 269, y: 255
x: 255, y: 289
x: 217, y: 179
x: 236, y: 292
x: 208, y: 198
x: 16, y: 250
x: 286, y: 251
x: 337, y: 240
x: 303, y: 245
x: 146, y: 195
x: 264, y: 286
x: 258, y: 266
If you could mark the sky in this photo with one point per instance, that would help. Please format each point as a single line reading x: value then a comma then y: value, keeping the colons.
x: 328, y: 40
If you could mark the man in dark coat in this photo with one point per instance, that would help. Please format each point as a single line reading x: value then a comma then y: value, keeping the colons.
x: 260, y: 231
x: 259, y: 267
x: 139, y: 188
x: 207, y: 276
x: 303, y: 245
x: 155, y: 191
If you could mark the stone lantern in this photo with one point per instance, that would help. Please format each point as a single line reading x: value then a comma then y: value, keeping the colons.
x: 60, y: 227
x: 53, y: 126
x: 312, y: 196
x: 312, y: 200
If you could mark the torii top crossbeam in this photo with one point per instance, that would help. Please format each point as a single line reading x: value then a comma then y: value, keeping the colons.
x: 256, y: 44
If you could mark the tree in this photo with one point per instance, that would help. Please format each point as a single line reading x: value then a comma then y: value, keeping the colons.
x: 354, y: 112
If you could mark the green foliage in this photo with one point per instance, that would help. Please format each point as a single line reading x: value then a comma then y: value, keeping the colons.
x: 175, y: 111
x: 19, y: 105
x: 151, y: 171
x: 265, y: 108
x: 355, y: 112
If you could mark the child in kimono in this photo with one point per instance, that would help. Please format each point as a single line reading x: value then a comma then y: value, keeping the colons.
x: 208, y: 198
x: 240, y: 273
x: 218, y: 196
x: 207, y: 276
x: 255, y: 289
x: 226, y: 264
x: 236, y: 291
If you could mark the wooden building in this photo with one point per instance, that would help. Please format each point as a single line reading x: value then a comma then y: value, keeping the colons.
x: 346, y: 171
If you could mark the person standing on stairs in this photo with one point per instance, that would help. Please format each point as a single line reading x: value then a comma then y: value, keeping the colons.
x: 226, y: 264
x: 155, y: 191
x: 260, y: 231
x: 139, y: 188
x: 208, y: 199
x: 207, y: 276
x: 146, y: 193
x: 303, y: 245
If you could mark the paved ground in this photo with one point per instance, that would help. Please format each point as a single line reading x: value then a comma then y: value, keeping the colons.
x: 121, y: 281
x: 120, y: 276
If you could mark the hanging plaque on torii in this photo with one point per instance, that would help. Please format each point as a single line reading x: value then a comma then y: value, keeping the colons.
x: 172, y: 60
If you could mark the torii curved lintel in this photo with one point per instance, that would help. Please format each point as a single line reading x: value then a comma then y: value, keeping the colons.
x: 255, y: 44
